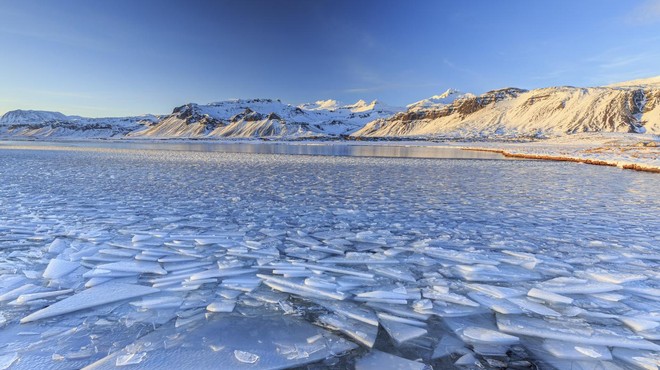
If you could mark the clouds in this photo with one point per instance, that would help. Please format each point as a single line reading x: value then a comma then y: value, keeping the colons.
x: 646, y: 13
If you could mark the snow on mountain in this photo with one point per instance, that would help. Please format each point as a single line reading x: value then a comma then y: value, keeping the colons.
x: 644, y: 82
x: 632, y: 106
x: 627, y: 107
x: 439, y: 101
x: 32, y: 123
x: 329, y: 104
x: 266, y: 118
x: 30, y: 116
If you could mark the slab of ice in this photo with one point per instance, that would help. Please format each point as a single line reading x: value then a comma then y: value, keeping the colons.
x: 25, y: 298
x: 496, y: 291
x: 57, y: 268
x: 221, y: 306
x: 535, y: 307
x: 351, y: 310
x: 641, y: 359
x: 134, y: 266
x: 7, y: 360
x: 576, y: 351
x: 484, y: 335
x: 584, y: 288
x: 401, y: 332
x: 449, y: 345
x: 364, y: 334
x: 549, y: 296
x: 496, y: 304
x: 92, y: 297
x: 377, y: 360
x: 520, y: 325
x: 234, y: 342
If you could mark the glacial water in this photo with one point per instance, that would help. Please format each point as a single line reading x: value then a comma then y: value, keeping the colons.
x: 136, y: 257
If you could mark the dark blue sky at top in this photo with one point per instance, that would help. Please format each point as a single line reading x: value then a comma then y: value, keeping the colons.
x: 121, y: 57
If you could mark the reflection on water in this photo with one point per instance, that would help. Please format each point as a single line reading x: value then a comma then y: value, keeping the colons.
x: 330, y: 149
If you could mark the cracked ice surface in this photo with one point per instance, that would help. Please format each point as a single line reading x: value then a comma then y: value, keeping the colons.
x: 152, y: 259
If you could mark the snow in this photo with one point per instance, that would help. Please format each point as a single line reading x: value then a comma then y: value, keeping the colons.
x: 545, y: 112
x: 439, y: 101
x: 634, y: 151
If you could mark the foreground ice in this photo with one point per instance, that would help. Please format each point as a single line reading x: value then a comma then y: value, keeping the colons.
x: 152, y: 259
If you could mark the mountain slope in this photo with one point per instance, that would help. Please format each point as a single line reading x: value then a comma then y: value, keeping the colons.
x: 632, y: 106
x: 265, y: 118
x: 625, y: 107
x: 44, y: 124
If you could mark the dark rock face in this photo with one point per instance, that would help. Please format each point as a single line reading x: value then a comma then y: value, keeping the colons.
x: 190, y: 114
x: 274, y: 116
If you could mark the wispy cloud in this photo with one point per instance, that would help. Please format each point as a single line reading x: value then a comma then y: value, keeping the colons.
x: 646, y: 13
x: 623, y: 61
x: 459, y: 68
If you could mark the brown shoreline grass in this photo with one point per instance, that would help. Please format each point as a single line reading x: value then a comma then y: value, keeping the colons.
x: 631, y: 166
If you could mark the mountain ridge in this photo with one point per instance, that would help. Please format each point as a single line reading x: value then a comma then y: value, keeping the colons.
x: 630, y: 106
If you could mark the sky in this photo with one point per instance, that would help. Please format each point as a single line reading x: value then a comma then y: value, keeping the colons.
x: 129, y: 57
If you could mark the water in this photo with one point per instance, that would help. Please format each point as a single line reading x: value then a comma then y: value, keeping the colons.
x: 309, y: 148
x: 274, y: 261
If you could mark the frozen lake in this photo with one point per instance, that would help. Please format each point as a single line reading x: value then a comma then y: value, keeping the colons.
x: 370, y: 149
x: 126, y: 255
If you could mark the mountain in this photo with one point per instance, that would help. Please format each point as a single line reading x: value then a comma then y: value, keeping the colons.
x: 19, y: 116
x: 632, y: 106
x: 249, y: 118
x: 33, y: 123
x: 439, y: 101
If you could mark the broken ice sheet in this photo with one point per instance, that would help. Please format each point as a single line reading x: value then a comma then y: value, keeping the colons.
x: 92, y: 297
x: 341, y: 242
x: 234, y: 343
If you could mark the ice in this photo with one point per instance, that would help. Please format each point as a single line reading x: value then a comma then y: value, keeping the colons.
x: 255, y: 254
x: 467, y: 359
x: 364, y: 334
x: 488, y: 336
x: 496, y: 291
x: 134, y: 266
x: 92, y: 297
x: 234, y: 343
x: 532, y: 327
x: 25, y: 298
x: 57, y: 268
x: 401, y: 332
x: 377, y: 360
x: 246, y: 357
x: 498, y: 305
x: 17, y: 292
x: 575, y: 351
x: 7, y: 360
x: 639, y: 359
x: 449, y: 345
x: 549, y: 296
x: 130, y: 359
x: 639, y: 324
x: 351, y: 310
x: 535, y: 307
x: 221, y: 306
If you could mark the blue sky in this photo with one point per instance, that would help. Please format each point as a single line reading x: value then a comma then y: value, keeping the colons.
x: 126, y: 57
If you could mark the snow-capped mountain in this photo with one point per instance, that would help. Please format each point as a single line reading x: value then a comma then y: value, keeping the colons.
x: 30, y: 116
x: 632, y: 106
x: 439, y: 101
x: 243, y: 118
x: 54, y: 124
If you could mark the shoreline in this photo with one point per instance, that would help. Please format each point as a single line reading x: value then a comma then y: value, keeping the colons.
x: 597, y: 162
